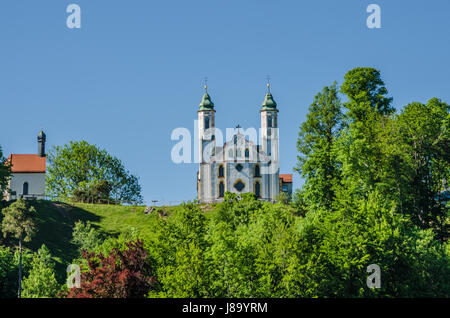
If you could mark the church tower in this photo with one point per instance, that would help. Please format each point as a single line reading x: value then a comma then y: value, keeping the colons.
x: 269, y: 144
x: 206, y: 145
x: 41, y: 144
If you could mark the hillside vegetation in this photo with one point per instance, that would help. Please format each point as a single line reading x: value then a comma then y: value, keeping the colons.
x: 55, y: 222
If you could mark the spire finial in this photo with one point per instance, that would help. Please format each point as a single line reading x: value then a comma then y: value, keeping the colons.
x: 268, y: 83
x: 206, y: 84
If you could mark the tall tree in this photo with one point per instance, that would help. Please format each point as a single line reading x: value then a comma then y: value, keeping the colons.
x: 366, y: 91
x: 359, y: 150
x: 317, y: 160
x: 79, y: 167
x: 41, y: 282
x: 425, y: 134
x: 18, y: 221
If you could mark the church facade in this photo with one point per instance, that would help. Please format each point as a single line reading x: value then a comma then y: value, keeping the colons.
x: 239, y: 165
x: 28, y: 173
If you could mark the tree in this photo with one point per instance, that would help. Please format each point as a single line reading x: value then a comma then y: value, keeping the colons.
x: 315, y: 144
x: 178, y: 250
x: 41, y: 282
x: 424, y: 133
x: 359, y: 149
x: 366, y: 91
x: 19, y: 221
x: 9, y: 268
x: 80, y: 171
x: 5, y: 173
x: 85, y: 236
x: 121, y: 274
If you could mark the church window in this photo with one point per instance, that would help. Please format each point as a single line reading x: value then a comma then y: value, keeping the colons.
x: 258, y: 189
x: 221, y: 189
x: 269, y: 121
x: 206, y: 122
x: 257, y: 171
x: 239, y: 185
x: 247, y: 153
x: 239, y: 167
x: 25, y: 188
x: 269, y: 147
x: 221, y: 171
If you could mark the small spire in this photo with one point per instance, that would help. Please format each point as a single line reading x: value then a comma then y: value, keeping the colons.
x: 269, y: 103
x: 206, y: 103
x: 268, y: 84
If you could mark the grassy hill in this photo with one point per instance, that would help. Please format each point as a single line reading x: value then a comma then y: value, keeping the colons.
x: 55, y: 222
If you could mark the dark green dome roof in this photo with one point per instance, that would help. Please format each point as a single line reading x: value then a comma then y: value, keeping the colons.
x: 269, y: 103
x: 206, y: 103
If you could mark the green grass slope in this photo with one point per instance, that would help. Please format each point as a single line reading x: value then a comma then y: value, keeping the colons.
x: 55, y: 222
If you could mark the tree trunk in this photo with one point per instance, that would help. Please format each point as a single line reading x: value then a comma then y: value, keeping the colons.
x: 19, y: 293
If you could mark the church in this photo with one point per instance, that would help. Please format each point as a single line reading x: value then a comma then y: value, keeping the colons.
x: 239, y: 165
x: 28, y: 173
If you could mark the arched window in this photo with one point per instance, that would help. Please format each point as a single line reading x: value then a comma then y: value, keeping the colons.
x: 269, y: 121
x: 221, y: 189
x: 258, y: 189
x: 247, y: 153
x: 206, y: 122
x: 221, y: 171
x: 25, y: 188
x: 257, y: 171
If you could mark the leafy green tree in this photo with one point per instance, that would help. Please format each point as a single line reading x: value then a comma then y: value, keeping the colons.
x: 9, y: 268
x: 252, y: 248
x: 85, y: 236
x: 18, y: 221
x: 347, y: 241
x: 78, y: 168
x: 366, y: 91
x: 5, y: 173
x: 359, y: 150
x: 317, y: 160
x: 41, y: 282
x: 424, y: 133
x: 178, y: 253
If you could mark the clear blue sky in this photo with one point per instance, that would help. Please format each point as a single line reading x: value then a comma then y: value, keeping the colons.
x: 135, y: 69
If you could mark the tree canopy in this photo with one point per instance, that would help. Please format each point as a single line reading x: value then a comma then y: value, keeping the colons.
x: 82, y: 172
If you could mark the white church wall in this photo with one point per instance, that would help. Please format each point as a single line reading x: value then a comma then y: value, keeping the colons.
x: 36, y: 184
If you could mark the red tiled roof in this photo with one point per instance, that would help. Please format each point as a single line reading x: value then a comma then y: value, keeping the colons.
x: 287, y: 178
x: 27, y: 163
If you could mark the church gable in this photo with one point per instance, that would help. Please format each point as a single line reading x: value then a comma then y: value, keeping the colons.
x: 240, y: 148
